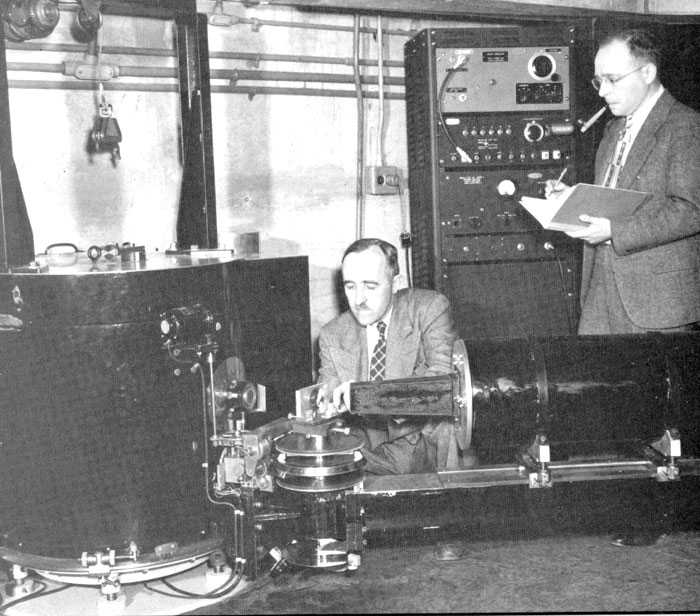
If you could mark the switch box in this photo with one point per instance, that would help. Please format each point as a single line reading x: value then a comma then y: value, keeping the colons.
x: 381, y: 180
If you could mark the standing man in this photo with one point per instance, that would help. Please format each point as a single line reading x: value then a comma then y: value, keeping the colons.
x: 642, y: 273
x: 389, y: 334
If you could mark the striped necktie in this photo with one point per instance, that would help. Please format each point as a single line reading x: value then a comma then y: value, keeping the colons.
x: 618, y: 156
x: 377, y: 365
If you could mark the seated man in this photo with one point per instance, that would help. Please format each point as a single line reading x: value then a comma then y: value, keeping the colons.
x: 389, y: 334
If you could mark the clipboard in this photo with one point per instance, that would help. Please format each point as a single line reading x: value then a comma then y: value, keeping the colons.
x: 561, y: 213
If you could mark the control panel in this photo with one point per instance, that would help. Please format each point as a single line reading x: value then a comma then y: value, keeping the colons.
x: 505, y: 140
x: 503, y: 79
x: 503, y: 125
x: 481, y: 218
x: 492, y: 114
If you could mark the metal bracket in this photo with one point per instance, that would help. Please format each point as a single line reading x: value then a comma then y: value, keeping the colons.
x: 669, y: 446
x: 91, y: 72
x: 306, y: 407
x: 536, y: 459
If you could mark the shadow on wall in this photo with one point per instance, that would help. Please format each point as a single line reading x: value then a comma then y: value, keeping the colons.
x: 327, y: 302
x: 680, y: 71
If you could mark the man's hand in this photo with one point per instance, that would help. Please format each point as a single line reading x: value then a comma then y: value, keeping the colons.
x: 554, y: 188
x: 598, y: 230
x: 339, y: 397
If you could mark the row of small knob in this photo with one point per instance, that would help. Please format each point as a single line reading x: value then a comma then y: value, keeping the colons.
x: 487, y: 131
x: 511, y: 156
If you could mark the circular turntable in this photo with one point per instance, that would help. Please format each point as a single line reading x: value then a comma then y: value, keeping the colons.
x: 314, y: 463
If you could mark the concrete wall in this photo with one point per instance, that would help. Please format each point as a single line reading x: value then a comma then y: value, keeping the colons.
x: 285, y: 164
x: 73, y: 196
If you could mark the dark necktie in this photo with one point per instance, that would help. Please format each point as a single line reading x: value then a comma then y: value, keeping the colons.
x: 613, y: 171
x: 377, y: 365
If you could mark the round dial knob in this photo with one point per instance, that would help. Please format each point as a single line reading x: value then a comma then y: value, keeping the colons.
x: 533, y: 132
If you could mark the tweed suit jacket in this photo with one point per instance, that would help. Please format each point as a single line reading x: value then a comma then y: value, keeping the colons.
x: 419, y: 343
x: 656, y: 261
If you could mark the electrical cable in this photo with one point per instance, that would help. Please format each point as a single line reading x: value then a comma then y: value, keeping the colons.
x: 206, y: 442
x: 405, y: 234
x: 181, y: 593
x: 239, y: 539
x: 450, y: 73
x: 407, y: 251
x: 164, y: 593
x: 230, y: 584
x: 404, y: 209
x: 100, y: 86
x: 237, y: 572
x: 562, y: 279
x: 251, y: 587
x: 233, y: 580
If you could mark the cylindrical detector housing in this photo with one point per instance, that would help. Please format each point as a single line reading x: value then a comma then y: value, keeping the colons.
x: 584, y: 392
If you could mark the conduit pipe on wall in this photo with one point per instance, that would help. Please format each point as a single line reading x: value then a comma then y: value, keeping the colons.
x: 213, y: 54
x: 250, y: 91
x: 74, y: 48
x: 233, y: 75
x: 380, y: 92
x: 268, y: 57
x: 244, y: 75
x: 253, y: 91
x: 257, y: 23
x: 359, y: 193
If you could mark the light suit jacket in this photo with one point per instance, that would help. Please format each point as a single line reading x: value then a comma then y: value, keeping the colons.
x: 419, y: 343
x: 657, y: 250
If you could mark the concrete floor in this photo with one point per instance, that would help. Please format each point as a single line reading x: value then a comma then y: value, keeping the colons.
x: 527, y: 550
x: 550, y: 574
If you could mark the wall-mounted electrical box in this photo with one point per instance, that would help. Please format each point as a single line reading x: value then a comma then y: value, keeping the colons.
x: 381, y: 180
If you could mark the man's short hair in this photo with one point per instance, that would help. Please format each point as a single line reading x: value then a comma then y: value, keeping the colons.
x: 643, y: 44
x: 389, y: 250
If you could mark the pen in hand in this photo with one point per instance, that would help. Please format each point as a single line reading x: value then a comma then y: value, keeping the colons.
x: 561, y: 176
x: 551, y: 186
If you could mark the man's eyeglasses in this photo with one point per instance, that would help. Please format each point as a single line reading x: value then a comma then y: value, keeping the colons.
x: 612, y: 80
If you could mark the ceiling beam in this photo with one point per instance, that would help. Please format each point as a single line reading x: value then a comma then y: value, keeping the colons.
x: 498, y: 10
